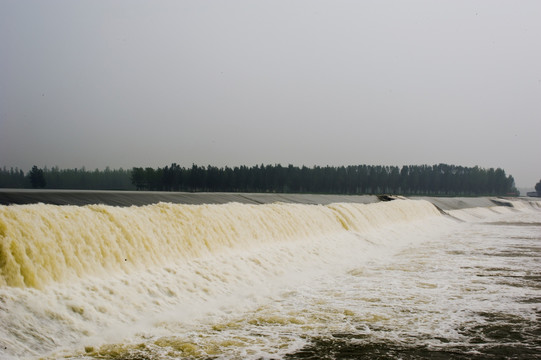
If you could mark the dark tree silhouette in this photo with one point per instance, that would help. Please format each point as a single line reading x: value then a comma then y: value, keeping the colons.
x: 430, y: 180
x: 436, y: 180
x: 138, y: 178
x: 37, y: 179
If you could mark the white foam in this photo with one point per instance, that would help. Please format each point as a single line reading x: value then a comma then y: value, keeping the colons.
x: 310, y: 271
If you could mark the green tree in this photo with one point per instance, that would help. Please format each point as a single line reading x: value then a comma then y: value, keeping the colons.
x: 36, y: 177
x: 138, y: 178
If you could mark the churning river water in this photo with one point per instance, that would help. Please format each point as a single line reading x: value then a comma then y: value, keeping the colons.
x: 395, y: 279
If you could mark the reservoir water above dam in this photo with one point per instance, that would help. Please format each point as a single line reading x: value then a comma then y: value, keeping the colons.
x: 273, y: 276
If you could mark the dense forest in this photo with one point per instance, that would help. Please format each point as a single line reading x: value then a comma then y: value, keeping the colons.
x: 362, y: 179
x: 435, y: 180
x: 56, y: 178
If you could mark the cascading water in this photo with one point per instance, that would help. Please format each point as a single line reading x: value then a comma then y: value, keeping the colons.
x: 251, y: 281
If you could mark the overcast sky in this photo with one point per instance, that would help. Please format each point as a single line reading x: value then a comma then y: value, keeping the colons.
x: 146, y: 83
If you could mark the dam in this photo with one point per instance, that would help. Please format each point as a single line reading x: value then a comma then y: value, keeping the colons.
x: 136, y: 275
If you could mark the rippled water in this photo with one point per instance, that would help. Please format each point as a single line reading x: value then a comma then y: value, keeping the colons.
x: 474, y: 292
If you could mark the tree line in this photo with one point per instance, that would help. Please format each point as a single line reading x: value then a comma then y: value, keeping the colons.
x: 56, y: 178
x: 434, y: 180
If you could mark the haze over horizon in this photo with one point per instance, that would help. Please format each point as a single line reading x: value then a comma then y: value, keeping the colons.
x: 137, y: 83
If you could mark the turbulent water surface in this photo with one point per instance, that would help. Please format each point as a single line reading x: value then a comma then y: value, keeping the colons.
x: 397, y: 279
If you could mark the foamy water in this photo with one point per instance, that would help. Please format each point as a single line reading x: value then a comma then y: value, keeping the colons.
x: 391, y: 279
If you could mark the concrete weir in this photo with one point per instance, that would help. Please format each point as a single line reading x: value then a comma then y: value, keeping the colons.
x: 140, y: 198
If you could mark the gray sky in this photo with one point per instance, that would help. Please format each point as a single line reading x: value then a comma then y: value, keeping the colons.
x: 146, y: 83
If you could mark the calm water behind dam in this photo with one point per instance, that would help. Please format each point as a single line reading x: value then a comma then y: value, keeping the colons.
x: 274, y: 281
